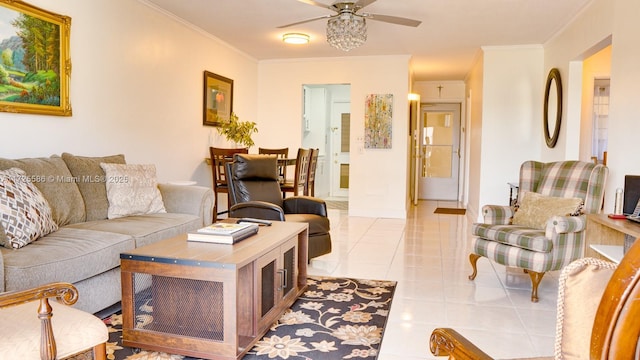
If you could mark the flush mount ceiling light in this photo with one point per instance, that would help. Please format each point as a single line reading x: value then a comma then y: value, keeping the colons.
x: 347, y: 29
x: 295, y: 38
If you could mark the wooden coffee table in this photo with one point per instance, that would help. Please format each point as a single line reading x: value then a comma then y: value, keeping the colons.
x: 212, y: 301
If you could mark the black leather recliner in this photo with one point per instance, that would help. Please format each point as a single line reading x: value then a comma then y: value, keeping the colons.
x: 254, y: 191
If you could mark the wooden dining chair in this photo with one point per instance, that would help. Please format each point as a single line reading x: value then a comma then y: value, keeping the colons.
x: 282, y: 153
x: 299, y: 183
x: 219, y: 156
x: 309, y: 190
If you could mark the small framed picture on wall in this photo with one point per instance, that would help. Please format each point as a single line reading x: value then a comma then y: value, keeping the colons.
x: 218, y: 99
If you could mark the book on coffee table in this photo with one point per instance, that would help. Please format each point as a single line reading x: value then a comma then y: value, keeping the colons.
x: 223, y: 233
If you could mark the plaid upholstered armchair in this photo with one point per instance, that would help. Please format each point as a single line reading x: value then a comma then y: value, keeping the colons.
x: 547, y: 230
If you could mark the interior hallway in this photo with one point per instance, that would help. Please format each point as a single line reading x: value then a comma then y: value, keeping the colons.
x: 428, y: 255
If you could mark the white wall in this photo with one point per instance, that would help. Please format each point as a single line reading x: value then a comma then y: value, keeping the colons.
x: 507, y: 129
x: 623, y: 111
x: 377, y: 177
x: 440, y: 91
x: 136, y: 88
x: 600, y: 21
x: 474, y: 100
x: 565, y: 51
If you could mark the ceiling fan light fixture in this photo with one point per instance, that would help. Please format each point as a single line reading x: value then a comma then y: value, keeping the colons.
x: 346, y: 31
x: 295, y: 38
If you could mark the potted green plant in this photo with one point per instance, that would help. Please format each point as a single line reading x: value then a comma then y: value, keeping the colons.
x: 238, y: 132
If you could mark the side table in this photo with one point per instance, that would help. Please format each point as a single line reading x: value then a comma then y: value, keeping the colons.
x: 513, y: 193
x: 602, y: 230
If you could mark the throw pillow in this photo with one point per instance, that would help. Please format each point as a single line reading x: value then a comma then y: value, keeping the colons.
x: 91, y: 182
x: 3, y: 235
x: 580, y: 289
x: 25, y: 215
x: 535, y: 209
x: 52, y: 177
x: 132, y: 190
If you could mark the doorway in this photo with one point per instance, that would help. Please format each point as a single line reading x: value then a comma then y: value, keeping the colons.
x: 439, y: 151
x: 600, y: 121
x: 340, y: 144
x: 326, y: 125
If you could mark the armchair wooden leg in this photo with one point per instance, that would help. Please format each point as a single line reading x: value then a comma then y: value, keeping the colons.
x: 473, y: 258
x: 536, y: 277
x: 100, y: 352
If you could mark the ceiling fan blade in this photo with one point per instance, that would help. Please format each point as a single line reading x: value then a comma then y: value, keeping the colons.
x: 305, y: 21
x: 362, y: 3
x: 392, y: 19
x: 315, y: 3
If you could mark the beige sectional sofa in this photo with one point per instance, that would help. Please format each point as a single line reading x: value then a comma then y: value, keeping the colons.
x: 85, y: 248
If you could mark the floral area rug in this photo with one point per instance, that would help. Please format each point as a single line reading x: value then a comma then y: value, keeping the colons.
x: 336, y: 318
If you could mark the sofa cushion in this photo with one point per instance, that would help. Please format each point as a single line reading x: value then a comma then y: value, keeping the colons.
x: 535, y: 209
x: 146, y: 229
x: 132, y: 189
x: 53, y: 179
x: 91, y: 182
x: 68, y: 254
x: 520, y: 236
x: 25, y: 215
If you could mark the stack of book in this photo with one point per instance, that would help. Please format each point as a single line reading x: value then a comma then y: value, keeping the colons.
x: 223, y: 233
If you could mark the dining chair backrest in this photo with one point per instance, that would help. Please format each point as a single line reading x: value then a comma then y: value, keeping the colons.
x: 219, y: 156
x: 311, y: 177
x: 299, y: 183
x: 282, y: 153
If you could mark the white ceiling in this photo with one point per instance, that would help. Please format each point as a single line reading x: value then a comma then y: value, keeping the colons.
x: 443, y: 47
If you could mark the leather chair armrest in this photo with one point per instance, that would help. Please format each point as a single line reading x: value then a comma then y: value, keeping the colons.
x: 257, y: 209
x: 448, y: 342
x: 565, y: 224
x: 497, y: 214
x: 304, y: 205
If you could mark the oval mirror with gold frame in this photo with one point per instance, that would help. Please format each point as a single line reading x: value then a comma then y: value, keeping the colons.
x: 552, y: 107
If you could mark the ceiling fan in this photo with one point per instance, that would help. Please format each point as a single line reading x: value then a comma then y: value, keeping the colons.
x: 346, y: 29
x: 352, y: 7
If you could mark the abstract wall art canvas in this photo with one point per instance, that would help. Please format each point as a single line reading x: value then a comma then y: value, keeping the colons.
x: 378, y: 115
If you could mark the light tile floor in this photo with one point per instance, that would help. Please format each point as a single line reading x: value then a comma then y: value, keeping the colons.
x: 427, y: 254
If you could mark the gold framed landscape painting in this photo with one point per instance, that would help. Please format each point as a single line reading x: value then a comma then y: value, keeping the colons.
x: 35, y: 67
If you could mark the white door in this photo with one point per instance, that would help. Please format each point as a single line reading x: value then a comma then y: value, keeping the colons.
x: 340, y: 142
x: 439, y: 151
